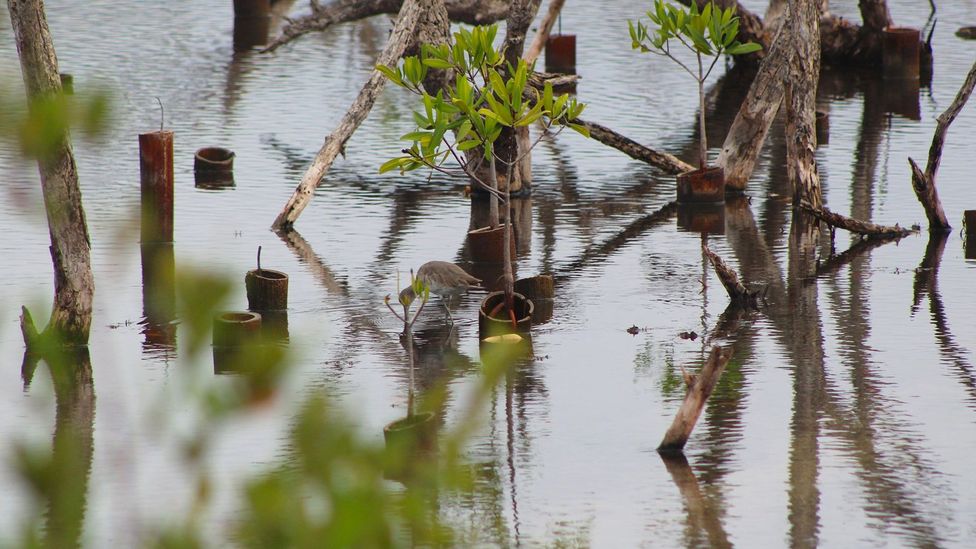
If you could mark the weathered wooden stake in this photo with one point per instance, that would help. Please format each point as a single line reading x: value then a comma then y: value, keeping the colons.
x: 700, y: 387
x: 156, y: 175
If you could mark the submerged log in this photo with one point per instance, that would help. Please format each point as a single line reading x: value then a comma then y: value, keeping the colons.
x: 415, y: 14
x: 700, y: 387
x: 924, y: 182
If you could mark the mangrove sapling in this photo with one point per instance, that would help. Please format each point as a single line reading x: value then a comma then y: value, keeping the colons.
x: 487, y: 95
x: 708, y: 33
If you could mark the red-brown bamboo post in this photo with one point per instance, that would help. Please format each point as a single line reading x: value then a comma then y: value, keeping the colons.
x: 901, y: 47
x: 700, y: 387
x: 252, y: 23
x: 156, y: 175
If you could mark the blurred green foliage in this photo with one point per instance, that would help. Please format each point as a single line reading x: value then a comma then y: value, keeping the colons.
x: 40, y: 127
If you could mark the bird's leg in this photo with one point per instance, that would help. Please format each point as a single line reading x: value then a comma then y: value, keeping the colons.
x: 447, y: 308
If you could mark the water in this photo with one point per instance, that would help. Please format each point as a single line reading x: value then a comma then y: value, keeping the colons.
x: 846, y: 417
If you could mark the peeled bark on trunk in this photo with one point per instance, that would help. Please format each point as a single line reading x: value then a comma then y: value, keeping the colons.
x: 748, y: 132
x: 416, y: 14
x: 801, y: 102
x: 74, y: 285
x: 924, y: 182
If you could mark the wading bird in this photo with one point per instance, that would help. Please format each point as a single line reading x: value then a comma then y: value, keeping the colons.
x: 444, y: 279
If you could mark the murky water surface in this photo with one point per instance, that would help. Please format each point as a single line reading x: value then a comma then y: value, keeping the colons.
x: 846, y: 418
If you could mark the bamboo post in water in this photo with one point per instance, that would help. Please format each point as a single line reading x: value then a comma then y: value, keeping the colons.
x: 156, y: 175
x: 700, y: 387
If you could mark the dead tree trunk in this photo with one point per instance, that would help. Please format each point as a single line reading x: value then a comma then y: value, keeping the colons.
x: 801, y: 102
x: 748, y: 132
x: 738, y: 293
x: 414, y: 15
x: 924, y: 182
x: 700, y: 387
x: 74, y: 285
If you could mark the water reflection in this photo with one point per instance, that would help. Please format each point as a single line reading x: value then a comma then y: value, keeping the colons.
x: 158, y: 298
x: 927, y: 284
x: 703, y: 516
x: 62, y: 480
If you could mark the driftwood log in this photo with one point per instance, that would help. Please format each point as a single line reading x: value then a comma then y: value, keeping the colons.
x: 414, y: 24
x: 74, y: 284
x: 863, y: 228
x: 924, y: 182
x: 700, y: 387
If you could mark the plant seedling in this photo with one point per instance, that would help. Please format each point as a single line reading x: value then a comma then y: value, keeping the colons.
x: 708, y: 33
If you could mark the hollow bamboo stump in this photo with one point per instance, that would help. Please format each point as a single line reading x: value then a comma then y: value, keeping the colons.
x: 705, y: 185
x: 213, y: 167
x: 267, y: 290
x: 156, y: 186
x: 901, y: 49
x: 494, y: 321
x: 536, y: 287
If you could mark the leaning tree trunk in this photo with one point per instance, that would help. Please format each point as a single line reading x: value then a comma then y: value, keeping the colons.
x: 801, y: 102
x: 413, y: 22
x: 74, y: 285
x: 748, y: 132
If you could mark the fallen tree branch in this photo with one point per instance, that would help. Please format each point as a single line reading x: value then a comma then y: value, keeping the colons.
x: 700, y: 387
x: 864, y: 228
x: 667, y: 162
x: 545, y: 28
x: 472, y: 12
x: 405, y: 33
x: 737, y: 291
x: 924, y: 182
